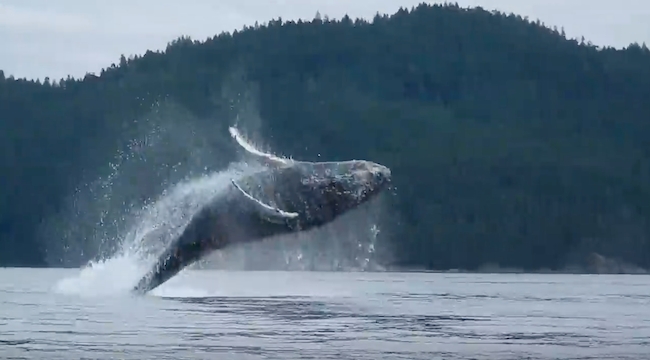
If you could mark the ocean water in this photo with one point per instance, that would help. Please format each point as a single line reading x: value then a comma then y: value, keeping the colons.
x: 206, y: 314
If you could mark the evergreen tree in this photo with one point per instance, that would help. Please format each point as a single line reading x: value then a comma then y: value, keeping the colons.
x: 509, y: 143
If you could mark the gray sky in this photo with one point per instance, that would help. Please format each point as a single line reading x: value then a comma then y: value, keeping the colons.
x: 55, y: 38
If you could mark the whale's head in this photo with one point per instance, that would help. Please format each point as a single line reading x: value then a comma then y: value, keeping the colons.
x: 308, y: 194
x: 319, y: 192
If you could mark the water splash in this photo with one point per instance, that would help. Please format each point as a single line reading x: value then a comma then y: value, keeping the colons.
x: 141, y: 232
x: 114, y: 276
x: 157, y: 153
x: 155, y: 226
x: 163, y: 220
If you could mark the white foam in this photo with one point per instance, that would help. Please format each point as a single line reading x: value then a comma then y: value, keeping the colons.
x: 159, y: 223
x: 113, y: 276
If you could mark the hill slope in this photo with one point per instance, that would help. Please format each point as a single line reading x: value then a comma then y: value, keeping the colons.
x: 509, y: 143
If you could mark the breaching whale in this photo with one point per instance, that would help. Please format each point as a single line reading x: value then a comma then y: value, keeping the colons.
x: 286, y: 196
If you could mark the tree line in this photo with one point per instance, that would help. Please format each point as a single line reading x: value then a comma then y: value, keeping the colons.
x: 510, y: 144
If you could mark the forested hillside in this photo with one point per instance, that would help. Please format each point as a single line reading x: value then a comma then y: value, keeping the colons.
x: 509, y: 143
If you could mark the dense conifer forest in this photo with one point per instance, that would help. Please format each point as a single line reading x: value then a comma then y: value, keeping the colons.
x: 510, y: 144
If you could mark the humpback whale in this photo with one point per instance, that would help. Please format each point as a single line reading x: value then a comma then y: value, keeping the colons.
x: 286, y: 196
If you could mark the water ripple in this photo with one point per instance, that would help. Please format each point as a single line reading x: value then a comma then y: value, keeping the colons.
x: 344, y: 316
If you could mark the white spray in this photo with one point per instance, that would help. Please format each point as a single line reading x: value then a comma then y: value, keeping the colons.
x: 157, y: 223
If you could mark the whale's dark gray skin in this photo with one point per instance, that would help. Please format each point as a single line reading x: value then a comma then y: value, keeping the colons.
x: 286, y: 197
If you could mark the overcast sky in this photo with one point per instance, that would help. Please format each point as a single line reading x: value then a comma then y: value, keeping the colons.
x: 55, y: 38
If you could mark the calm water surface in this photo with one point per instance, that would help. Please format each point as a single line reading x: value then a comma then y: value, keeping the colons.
x: 68, y: 314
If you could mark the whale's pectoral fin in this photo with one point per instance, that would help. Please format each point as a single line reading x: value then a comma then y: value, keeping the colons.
x: 265, y: 158
x: 268, y: 212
